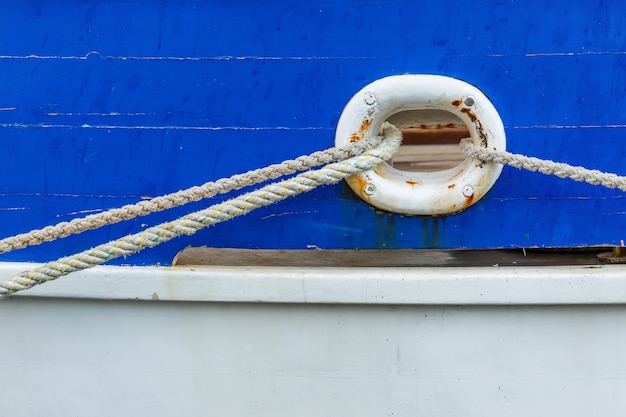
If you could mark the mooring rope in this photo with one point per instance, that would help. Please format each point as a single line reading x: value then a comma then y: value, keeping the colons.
x: 191, y: 223
x: 576, y: 173
x: 189, y: 195
x: 341, y: 163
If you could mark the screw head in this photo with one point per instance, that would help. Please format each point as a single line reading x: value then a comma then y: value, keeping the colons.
x: 369, y: 189
x: 469, y: 102
x: 370, y: 98
x: 468, y: 191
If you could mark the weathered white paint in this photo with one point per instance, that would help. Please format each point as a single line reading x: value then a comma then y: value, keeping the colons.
x: 353, y: 285
x: 311, y: 342
x: 423, y: 193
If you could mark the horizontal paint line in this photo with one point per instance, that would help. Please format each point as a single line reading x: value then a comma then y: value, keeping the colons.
x: 540, y: 199
x: 557, y: 54
x: 288, y: 57
x: 249, y: 128
x: 542, y: 54
x: 99, y: 114
x: 609, y: 126
x: 74, y: 213
x: 187, y: 58
x: 67, y: 195
x: 200, y: 128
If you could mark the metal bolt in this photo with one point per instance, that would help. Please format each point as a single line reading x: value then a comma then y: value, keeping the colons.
x: 468, y: 191
x: 618, y: 256
x: 369, y: 189
x: 469, y: 102
x: 370, y: 98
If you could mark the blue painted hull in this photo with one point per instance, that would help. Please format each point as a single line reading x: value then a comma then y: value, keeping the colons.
x: 104, y: 104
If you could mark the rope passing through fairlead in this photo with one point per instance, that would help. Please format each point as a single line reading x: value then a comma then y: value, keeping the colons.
x: 191, y: 223
x: 347, y: 161
x: 189, y: 195
x: 547, y: 167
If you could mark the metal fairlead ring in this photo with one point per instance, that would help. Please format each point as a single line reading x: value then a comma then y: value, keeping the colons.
x: 423, y: 193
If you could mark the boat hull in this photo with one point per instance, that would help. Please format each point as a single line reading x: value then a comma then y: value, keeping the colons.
x: 108, y: 104
x: 238, y: 341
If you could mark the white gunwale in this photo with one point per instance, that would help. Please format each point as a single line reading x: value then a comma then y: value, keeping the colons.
x: 493, y: 285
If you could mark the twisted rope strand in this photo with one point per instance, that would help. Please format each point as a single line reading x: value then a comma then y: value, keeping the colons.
x: 191, y: 223
x: 267, y: 195
x: 192, y: 194
x: 561, y: 170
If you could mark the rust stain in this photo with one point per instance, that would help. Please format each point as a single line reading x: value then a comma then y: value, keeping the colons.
x: 437, y: 126
x: 479, y: 126
x: 357, y: 136
x: 364, y: 126
x: 468, y: 201
x: 361, y: 183
x: 411, y: 183
x: 470, y: 113
x: 457, y: 103
x: 451, y: 186
x: 354, y: 138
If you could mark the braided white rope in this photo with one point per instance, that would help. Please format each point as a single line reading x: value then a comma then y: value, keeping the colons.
x: 576, y: 173
x: 207, y: 190
x: 191, y: 223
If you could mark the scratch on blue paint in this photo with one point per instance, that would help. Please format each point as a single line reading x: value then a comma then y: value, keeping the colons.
x: 191, y: 58
x: 608, y: 126
x: 210, y: 128
x: 289, y: 213
x: 541, y: 54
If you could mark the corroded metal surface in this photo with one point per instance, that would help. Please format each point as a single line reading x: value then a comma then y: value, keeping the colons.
x: 423, y: 99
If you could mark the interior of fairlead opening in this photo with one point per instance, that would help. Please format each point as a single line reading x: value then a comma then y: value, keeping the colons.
x: 430, y: 140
